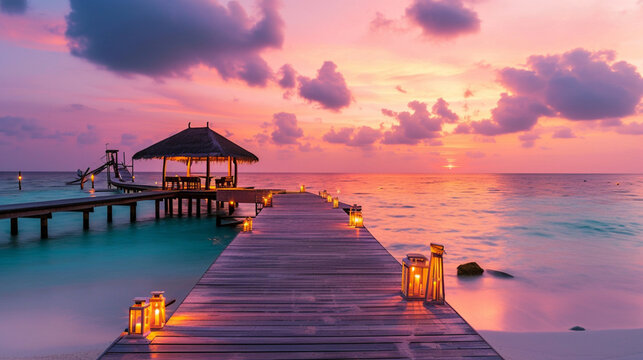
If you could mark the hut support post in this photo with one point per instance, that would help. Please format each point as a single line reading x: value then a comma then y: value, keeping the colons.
x: 44, y: 230
x: 132, y: 212
x: 179, y: 204
x: 14, y: 226
x: 209, y: 205
x: 189, y: 206
x: 109, y: 214
x: 189, y: 172
x: 164, y: 168
x: 86, y: 220
x: 157, y: 209
x: 171, y: 203
x: 198, y: 207
x: 229, y: 166
x: 207, y: 173
x: 235, y: 172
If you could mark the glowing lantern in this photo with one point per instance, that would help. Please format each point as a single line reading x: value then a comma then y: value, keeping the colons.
x: 157, y: 306
x: 335, y: 202
x: 358, y: 219
x: 267, y: 201
x: 92, y: 181
x: 435, y: 288
x: 302, y: 188
x: 415, y: 271
x: 329, y: 198
x: 351, y: 214
x: 19, y: 180
x: 139, y: 318
x: 247, y: 224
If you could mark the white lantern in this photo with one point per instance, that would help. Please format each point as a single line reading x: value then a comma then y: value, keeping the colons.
x: 415, y: 271
x: 139, y: 318
x: 435, y: 286
x: 157, y: 307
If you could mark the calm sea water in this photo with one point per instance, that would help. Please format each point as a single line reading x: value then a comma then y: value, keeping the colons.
x: 574, y: 244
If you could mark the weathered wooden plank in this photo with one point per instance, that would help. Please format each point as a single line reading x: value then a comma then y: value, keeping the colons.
x: 303, y: 285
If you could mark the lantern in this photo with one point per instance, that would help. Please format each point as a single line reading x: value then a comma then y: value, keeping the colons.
x: 139, y: 318
x: 358, y: 220
x: 329, y: 198
x: 247, y: 224
x: 302, y: 188
x: 435, y: 286
x: 415, y: 271
x: 92, y: 181
x: 267, y: 201
x: 157, y: 310
x: 335, y: 202
x: 351, y: 214
x: 19, y: 180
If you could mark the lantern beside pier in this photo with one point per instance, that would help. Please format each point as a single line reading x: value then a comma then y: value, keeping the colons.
x: 302, y: 188
x: 415, y: 272
x: 267, y: 201
x: 157, y: 310
x: 335, y: 202
x: 139, y: 318
x: 435, y: 286
x: 247, y: 224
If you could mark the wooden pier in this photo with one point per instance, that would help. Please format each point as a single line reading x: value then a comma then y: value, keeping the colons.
x: 44, y: 210
x: 304, y: 285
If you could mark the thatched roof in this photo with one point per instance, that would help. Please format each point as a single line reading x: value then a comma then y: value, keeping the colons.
x: 197, y: 143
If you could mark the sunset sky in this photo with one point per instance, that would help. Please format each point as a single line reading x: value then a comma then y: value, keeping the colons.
x: 328, y: 86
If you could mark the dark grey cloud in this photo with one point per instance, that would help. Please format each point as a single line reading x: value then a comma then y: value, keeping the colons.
x: 286, y: 130
x: 362, y: 136
x: 288, y: 77
x: 167, y: 38
x: 13, y: 7
x: 420, y: 124
x: 512, y: 114
x: 25, y: 128
x: 443, y: 18
x: 328, y: 89
x: 579, y: 84
x: 563, y: 133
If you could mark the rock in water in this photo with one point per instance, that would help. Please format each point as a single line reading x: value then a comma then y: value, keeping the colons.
x: 577, y: 328
x: 499, y: 274
x: 470, y: 269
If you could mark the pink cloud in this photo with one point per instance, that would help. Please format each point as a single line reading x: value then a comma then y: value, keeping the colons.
x: 328, y: 89
x: 442, y: 18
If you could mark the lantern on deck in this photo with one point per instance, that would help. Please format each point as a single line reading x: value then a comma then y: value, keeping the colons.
x: 157, y: 310
x: 335, y: 202
x: 329, y: 198
x: 302, y: 188
x: 415, y: 271
x: 351, y: 214
x: 247, y: 224
x: 139, y: 318
x: 358, y: 219
x: 267, y: 201
x: 435, y: 286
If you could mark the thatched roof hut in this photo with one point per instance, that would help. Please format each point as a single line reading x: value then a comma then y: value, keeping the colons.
x: 198, y: 144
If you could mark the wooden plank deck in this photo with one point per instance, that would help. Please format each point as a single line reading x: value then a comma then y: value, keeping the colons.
x: 304, y: 285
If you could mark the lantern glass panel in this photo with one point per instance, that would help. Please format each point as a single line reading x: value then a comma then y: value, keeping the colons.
x: 415, y: 272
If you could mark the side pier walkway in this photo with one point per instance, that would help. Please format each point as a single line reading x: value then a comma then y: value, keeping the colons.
x: 304, y: 285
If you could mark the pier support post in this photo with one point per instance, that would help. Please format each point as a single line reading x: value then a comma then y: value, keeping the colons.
x: 209, y: 204
x: 44, y: 231
x: 109, y: 214
x: 132, y: 212
x: 14, y: 226
x: 218, y: 220
x: 86, y: 220
x: 189, y: 206
x: 198, y: 207
x: 230, y: 209
x: 157, y: 209
x: 171, y: 202
x: 165, y: 206
x: 180, y: 206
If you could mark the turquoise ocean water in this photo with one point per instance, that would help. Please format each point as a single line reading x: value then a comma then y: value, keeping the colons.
x: 574, y: 244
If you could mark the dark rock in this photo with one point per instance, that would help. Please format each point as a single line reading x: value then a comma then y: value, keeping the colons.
x: 499, y: 274
x: 577, y: 328
x: 470, y: 269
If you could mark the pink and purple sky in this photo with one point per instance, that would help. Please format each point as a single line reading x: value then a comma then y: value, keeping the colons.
x: 328, y: 86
